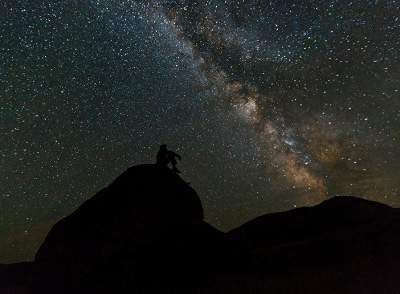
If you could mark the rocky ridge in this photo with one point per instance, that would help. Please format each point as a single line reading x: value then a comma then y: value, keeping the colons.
x: 145, y: 233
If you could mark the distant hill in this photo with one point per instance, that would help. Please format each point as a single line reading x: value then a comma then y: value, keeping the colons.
x: 337, y: 213
x: 145, y: 233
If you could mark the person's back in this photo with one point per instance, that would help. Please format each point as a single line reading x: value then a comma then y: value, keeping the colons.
x: 162, y: 156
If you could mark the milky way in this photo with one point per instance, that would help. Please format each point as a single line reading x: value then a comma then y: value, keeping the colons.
x: 271, y: 104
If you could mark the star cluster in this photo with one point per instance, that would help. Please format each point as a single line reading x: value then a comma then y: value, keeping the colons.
x: 271, y: 104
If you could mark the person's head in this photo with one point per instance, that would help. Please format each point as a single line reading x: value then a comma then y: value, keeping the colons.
x: 163, y: 147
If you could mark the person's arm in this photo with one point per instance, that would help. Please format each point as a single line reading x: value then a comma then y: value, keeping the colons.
x: 176, y: 155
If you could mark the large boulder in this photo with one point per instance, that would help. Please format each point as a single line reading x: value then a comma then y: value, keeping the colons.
x: 147, y: 224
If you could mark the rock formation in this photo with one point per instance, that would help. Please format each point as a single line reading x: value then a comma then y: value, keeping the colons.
x: 337, y: 213
x: 145, y: 233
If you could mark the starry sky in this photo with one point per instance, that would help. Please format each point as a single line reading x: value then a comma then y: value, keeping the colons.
x: 272, y: 105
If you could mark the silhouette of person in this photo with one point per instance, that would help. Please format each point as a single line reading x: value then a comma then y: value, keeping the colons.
x: 165, y: 156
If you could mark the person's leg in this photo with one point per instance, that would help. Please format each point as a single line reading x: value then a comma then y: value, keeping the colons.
x: 173, y: 162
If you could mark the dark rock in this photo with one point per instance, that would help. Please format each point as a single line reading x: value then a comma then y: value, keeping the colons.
x: 343, y: 245
x: 361, y: 259
x: 114, y: 237
x: 16, y: 274
x: 145, y: 233
x: 298, y: 224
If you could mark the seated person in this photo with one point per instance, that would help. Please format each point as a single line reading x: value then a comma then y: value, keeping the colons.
x: 165, y: 156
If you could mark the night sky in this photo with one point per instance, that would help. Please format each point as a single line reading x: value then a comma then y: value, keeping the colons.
x: 272, y: 105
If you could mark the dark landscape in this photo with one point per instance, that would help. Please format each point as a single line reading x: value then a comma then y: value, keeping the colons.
x: 145, y: 233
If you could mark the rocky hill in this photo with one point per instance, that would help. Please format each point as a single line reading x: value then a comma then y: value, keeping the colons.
x: 145, y: 233
x: 337, y: 213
